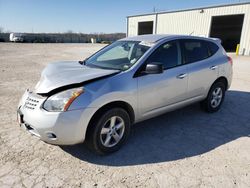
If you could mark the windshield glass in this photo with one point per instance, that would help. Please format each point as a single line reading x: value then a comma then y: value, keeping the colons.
x: 120, y: 55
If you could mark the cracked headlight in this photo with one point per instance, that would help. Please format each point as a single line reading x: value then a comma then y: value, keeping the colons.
x: 61, y: 101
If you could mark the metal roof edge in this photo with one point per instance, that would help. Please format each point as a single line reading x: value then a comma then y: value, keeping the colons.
x: 190, y: 9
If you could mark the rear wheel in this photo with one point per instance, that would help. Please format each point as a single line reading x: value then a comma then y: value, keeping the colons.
x: 215, y: 98
x: 109, y: 131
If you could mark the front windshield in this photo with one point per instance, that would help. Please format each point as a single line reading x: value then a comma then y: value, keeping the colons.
x: 120, y: 55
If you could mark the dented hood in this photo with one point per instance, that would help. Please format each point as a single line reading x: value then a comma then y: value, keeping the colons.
x: 61, y: 74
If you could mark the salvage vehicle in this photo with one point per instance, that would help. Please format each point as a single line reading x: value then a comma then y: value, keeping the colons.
x: 97, y: 100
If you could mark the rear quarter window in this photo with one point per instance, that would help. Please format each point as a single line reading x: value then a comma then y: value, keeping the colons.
x: 213, y: 48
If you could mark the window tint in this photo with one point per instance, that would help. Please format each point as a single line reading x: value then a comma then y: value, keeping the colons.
x: 213, y: 48
x: 194, y: 50
x: 168, y: 54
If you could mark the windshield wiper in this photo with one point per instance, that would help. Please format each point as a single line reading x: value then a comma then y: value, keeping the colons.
x: 101, y: 67
x: 96, y: 66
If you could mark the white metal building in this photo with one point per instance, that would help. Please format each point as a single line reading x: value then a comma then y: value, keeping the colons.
x: 230, y: 23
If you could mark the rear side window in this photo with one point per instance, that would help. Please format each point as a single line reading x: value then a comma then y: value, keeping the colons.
x: 194, y: 50
x: 213, y: 48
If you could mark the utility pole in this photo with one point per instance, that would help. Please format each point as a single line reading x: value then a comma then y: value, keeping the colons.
x: 154, y: 9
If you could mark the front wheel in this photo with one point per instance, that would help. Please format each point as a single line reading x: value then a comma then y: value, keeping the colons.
x: 215, y: 98
x: 109, y: 131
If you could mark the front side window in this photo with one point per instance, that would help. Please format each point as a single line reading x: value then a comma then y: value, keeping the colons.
x: 120, y: 55
x: 168, y: 54
x: 194, y: 50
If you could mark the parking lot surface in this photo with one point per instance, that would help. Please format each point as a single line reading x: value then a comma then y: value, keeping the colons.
x: 184, y: 148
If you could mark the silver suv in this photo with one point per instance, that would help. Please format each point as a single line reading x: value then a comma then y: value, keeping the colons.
x: 98, y: 99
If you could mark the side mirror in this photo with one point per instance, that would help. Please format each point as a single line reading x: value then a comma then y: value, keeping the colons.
x: 154, y: 68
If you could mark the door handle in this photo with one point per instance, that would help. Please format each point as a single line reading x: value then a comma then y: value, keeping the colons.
x: 181, y: 76
x: 214, y: 67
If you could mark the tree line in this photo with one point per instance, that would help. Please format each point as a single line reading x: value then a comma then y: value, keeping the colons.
x: 68, y: 37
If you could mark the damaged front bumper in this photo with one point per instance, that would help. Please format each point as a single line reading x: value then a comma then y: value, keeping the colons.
x: 59, y: 128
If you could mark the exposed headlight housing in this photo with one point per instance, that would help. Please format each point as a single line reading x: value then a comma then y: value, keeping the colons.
x: 61, y: 101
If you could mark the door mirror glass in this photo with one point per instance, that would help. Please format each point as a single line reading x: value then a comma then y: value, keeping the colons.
x: 154, y: 68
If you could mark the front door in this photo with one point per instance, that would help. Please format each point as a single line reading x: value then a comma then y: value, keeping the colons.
x: 157, y: 91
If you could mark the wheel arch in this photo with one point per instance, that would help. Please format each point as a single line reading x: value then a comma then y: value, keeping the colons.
x: 222, y: 79
x: 115, y: 104
x: 204, y: 103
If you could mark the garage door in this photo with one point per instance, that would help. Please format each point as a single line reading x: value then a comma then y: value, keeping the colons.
x: 228, y: 29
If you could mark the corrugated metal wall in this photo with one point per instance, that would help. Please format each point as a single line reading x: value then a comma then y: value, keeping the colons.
x: 195, y: 22
x: 133, y: 23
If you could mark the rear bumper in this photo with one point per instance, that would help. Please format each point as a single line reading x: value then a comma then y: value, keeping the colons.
x: 59, y: 128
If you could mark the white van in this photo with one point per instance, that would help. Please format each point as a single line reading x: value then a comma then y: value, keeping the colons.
x: 16, y: 37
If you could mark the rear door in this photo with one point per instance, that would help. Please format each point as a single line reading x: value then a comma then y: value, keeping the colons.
x: 202, y: 68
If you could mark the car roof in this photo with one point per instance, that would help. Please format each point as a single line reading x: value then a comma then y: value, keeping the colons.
x: 147, y: 38
x: 153, y: 38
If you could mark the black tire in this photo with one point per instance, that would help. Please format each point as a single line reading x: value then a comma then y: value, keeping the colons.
x: 207, y: 103
x: 94, y: 139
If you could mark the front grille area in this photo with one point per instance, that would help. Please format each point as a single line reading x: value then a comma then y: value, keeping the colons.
x: 31, y: 103
x: 31, y: 130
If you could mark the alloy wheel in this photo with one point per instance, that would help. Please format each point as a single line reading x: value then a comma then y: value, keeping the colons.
x: 216, y: 97
x: 112, y: 131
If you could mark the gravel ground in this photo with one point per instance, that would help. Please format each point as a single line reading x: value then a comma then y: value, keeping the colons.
x: 185, y: 148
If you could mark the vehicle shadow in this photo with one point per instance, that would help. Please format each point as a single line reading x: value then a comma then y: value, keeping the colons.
x: 177, y: 135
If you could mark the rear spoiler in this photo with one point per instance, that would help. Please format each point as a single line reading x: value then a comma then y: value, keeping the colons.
x: 217, y: 40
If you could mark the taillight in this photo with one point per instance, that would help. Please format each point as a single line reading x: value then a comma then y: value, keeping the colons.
x: 230, y: 60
